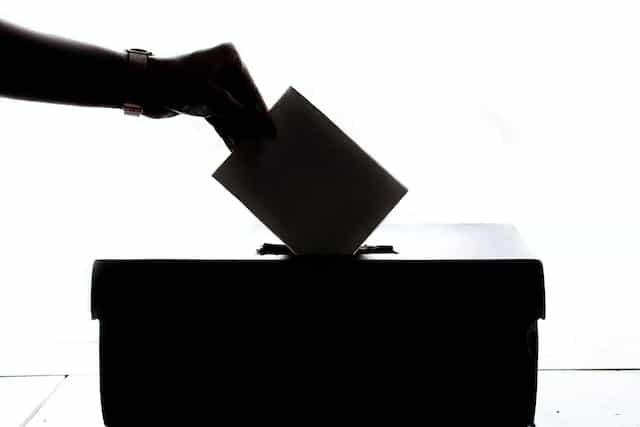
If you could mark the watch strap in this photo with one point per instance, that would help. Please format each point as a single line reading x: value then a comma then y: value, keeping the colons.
x: 137, y: 62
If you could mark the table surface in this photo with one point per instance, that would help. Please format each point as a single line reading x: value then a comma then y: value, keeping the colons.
x: 565, y: 398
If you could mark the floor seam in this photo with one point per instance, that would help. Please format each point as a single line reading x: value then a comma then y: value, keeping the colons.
x: 588, y: 369
x: 44, y: 401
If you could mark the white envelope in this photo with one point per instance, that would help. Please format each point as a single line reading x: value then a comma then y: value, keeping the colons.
x: 312, y: 186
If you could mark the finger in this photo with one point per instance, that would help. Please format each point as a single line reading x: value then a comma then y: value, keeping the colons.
x: 213, y: 101
x: 256, y: 123
x: 242, y: 87
x: 245, y: 89
x: 238, y: 81
x: 158, y: 113
x: 235, y: 122
x: 245, y: 126
x: 226, y: 111
x: 224, y: 134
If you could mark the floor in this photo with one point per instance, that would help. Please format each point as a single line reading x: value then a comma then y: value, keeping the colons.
x: 565, y: 398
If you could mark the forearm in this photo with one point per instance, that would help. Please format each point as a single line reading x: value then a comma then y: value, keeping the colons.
x: 212, y: 83
x: 40, y: 67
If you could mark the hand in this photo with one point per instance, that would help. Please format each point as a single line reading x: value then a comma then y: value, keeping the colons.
x: 213, y: 84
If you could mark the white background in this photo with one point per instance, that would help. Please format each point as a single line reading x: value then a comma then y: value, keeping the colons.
x: 489, y: 111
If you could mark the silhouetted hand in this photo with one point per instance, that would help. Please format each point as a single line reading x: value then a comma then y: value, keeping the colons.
x: 213, y: 84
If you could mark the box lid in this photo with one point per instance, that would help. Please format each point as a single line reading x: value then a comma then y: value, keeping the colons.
x: 461, y: 250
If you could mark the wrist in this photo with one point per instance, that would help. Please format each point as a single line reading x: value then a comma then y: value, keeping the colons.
x: 161, y: 78
x: 136, y: 80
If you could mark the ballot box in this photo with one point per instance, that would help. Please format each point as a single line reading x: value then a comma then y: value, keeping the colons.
x: 442, y: 326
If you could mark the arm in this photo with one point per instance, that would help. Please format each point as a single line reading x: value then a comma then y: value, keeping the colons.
x: 212, y: 83
x: 39, y: 67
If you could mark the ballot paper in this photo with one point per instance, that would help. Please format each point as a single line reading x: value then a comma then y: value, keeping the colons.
x: 311, y: 185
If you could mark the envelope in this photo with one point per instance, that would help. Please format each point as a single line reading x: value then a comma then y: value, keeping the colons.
x: 311, y: 185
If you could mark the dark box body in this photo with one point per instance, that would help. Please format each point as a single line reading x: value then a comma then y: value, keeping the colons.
x: 393, y: 339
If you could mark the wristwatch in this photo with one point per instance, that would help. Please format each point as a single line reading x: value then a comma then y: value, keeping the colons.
x: 137, y: 60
